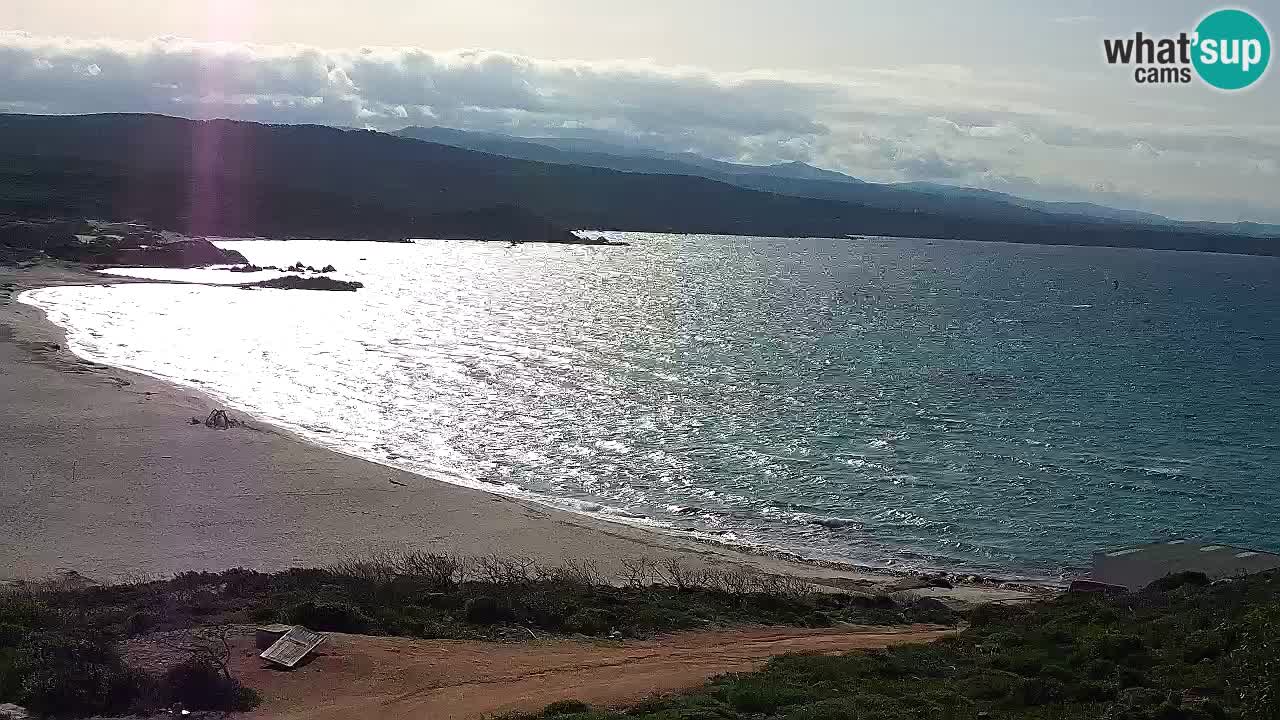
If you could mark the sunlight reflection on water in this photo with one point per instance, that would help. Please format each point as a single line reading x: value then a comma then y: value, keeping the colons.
x: 1001, y: 408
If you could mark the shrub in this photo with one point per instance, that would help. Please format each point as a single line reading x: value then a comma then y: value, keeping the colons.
x: 764, y: 695
x: 484, y: 610
x: 10, y: 673
x: 589, y: 621
x: 1177, y: 580
x: 1201, y: 645
x: 199, y: 684
x: 1119, y: 646
x: 1100, y: 669
x: 1040, y: 691
x: 329, y: 616
x: 139, y: 622
x: 62, y: 675
x: 863, y: 707
x: 990, y: 685
x: 1259, y: 659
x: 565, y: 707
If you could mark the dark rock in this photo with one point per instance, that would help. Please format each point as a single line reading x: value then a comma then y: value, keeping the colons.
x: 294, y: 282
x: 328, y: 269
x: 53, y: 237
x: 878, y: 602
x: 177, y: 254
x: 1092, y: 586
x: 16, y: 256
x: 911, y: 582
x: 929, y: 604
x: 939, y: 581
x: 141, y: 239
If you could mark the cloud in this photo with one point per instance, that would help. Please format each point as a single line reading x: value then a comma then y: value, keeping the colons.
x: 941, y: 123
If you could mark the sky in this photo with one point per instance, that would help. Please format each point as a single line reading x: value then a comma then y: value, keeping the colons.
x: 1010, y: 96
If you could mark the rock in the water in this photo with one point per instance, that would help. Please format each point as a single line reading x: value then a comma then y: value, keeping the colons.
x: 294, y: 282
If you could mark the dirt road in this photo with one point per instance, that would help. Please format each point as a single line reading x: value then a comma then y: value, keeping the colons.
x: 356, y: 676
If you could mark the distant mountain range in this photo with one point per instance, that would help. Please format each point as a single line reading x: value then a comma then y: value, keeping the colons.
x: 801, y: 179
x: 223, y: 177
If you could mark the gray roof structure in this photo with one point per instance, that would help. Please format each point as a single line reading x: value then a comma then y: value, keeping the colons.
x: 1136, y: 566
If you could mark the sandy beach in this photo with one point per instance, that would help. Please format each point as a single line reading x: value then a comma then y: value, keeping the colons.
x: 102, y: 473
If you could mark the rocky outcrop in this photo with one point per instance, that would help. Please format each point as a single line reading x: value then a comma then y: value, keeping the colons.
x: 602, y: 240
x: 78, y: 241
x: 294, y: 282
x: 192, y: 252
x: 33, y: 239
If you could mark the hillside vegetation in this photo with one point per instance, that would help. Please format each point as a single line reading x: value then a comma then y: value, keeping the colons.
x: 60, y: 643
x: 236, y: 178
x: 1179, y: 650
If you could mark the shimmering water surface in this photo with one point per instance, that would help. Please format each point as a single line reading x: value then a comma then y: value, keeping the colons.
x: 1001, y: 408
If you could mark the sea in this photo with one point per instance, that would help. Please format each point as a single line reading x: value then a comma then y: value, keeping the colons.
x: 989, y: 408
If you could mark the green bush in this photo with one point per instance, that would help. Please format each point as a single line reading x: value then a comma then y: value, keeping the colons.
x: 11, y: 672
x: 1040, y: 691
x: 991, y: 685
x: 329, y: 616
x: 1192, y: 652
x: 63, y: 675
x: 565, y: 707
x: 589, y: 621
x: 757, y: 695
x: 1120, y: 646
x: 199, y: 684
x: 485, y: 610
x: 1259, y: 657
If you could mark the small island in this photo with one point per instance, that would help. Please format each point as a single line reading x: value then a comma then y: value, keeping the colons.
x: 296, y: 282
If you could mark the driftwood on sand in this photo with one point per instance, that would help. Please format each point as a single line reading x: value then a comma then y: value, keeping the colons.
x: 218, y: 419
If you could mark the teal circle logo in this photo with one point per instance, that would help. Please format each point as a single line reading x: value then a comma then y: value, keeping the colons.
x: 1232, y: 49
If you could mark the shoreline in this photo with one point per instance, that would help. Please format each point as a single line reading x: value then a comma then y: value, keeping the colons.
x: 259, y: 494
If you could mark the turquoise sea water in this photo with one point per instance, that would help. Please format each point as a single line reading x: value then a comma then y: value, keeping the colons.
x: 1001, y: 408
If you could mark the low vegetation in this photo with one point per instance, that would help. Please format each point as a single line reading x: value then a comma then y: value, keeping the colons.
x: 62, y: 660
x: 1179, y: 650
x: 59, y: 643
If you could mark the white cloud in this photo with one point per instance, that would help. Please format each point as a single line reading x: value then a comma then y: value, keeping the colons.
x: 943, y: 123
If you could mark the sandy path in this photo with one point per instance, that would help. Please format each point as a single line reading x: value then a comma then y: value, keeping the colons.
x: 357, y: 676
